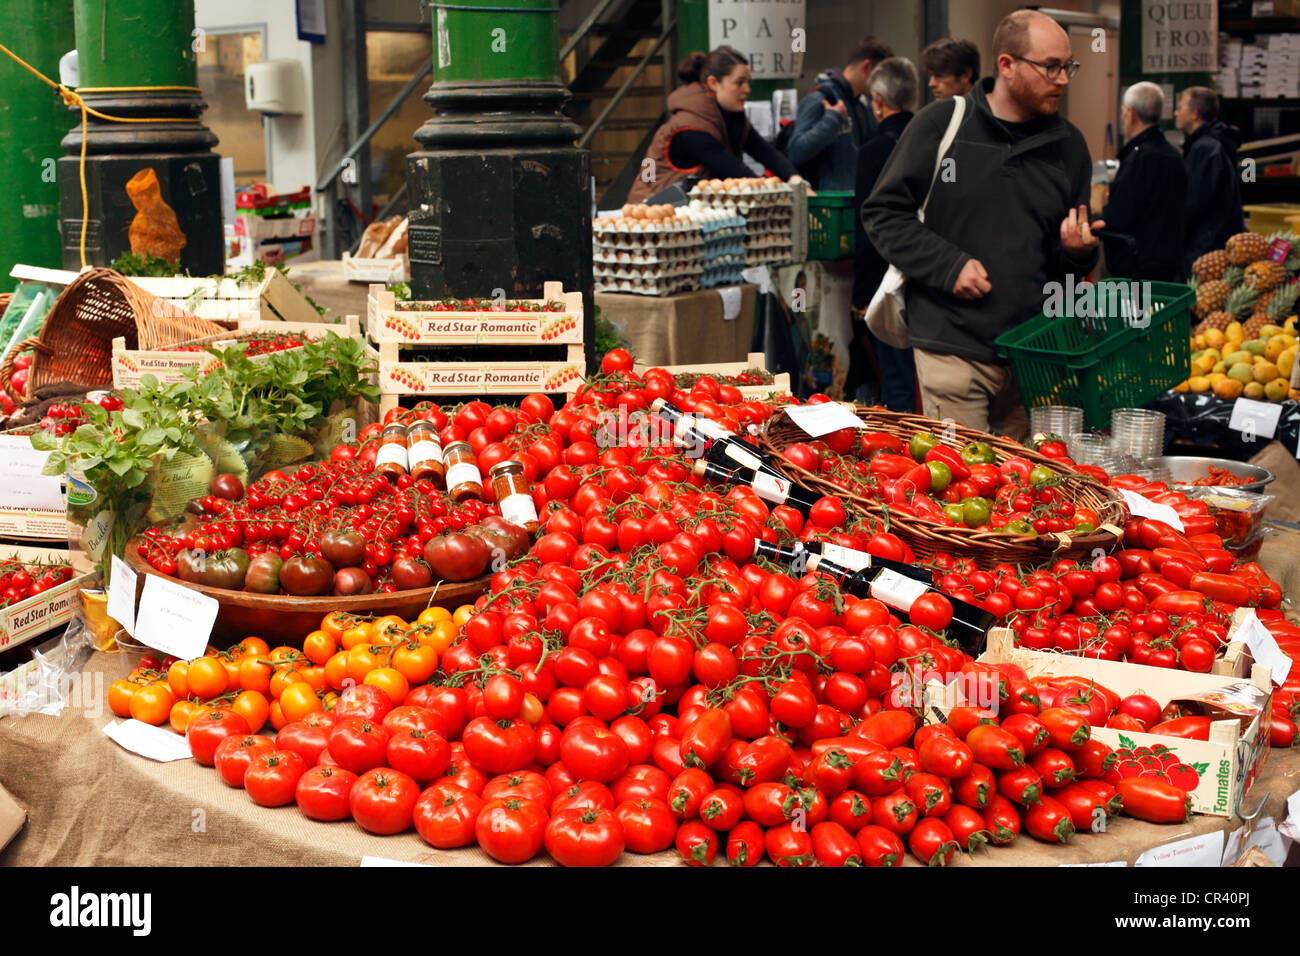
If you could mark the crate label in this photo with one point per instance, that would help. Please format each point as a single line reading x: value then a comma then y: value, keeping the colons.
x: 1204, y: 850
x: 463, y: 328
x: 174, y: 619
x: 38, y: 614
x: 507, y: 378
x: 156, y: 743
x: 1255, y: 418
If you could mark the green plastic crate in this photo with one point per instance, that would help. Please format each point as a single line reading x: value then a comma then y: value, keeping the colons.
x: 1109, y: 357
x: 830, y: 225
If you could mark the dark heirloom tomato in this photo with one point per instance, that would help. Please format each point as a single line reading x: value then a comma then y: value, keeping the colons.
x: 457, y: 556
x: 343, y: 548
x: 306, y: 575
x: 349, y: 581
x: 225, y: 569
x: 263, y: 574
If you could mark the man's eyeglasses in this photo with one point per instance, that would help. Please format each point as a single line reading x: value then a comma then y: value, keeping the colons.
x: 1053, y: 69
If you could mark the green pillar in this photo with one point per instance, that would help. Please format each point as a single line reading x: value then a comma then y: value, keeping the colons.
x: 692, y: 27
x: 140, y: 43
x: 499, y: 195
x: 135, y: 42
x: 32, y: 121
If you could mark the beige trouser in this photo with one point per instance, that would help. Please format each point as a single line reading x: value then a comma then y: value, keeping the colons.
x: 979, y: 395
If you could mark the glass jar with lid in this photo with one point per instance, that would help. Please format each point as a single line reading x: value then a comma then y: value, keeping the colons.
x: 424, y: 451
x: 513, y: 496
x: 462, y: 475
x: 391, y: 460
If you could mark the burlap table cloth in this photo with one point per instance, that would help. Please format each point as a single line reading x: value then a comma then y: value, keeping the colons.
x: 90, y: 802
x: 686, y: 329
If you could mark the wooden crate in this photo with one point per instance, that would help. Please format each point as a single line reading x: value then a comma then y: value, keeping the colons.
x: 395, y: 269
x: 43, y: 612
x: 506, y: 373
x: 780, y: 382
x: 130, y: 365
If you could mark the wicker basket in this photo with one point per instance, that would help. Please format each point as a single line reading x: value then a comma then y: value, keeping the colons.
x: 926, y: 537
x: 76, y: 341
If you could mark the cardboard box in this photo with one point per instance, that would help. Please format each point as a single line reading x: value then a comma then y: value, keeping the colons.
x: 20, y: 622
x: 228, y: 301
x: 1228, y: 762
x: 169, y: 365
x: 12, y: 817
x: 386, y: 323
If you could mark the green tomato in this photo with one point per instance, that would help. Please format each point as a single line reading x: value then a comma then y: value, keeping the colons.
x: 979, y: 453
x: 921, y: 443
x: 975, y: 511
x: 1084, y: 528
x: 954, y: 512
x: 1041, y: 474
x: 940, y: 476
x: 1018, y: 526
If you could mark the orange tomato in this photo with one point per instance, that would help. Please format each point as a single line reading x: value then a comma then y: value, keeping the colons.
x: 390, y: 621
x: 314, y: 675
x: 463, y: 614
x: 253, y: 707
x: 391, y: 682
x: 439, y: 636
x: 336, y: 622
x: 532, y: 710
x: 254, y: 675
x: 231, y: 664
x: 299, y: 700
x: 276, y: 716
x: 120, y: 693
x: 282, y: 679
x: 207, y: 677
x: 433, y: 615
x: 285, y: 656
x: 254, y: 647
x: 415, y: 661
x: 180, y: 715
x: 329, y: 700
x: 178, y: 679
x: 357, y: 634
x: 364, y: 658
x: 152, y: 703
x: 319, y: 646
x: 336, y: 669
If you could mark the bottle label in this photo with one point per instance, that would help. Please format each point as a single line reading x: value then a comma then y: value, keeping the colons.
x: 463, y: 472
x: 846, y: 557
x: 425, y: 450
x: 742, y: 457
x: 518, y: 509
x: 772, y: 489
x: 393, y: 453
x: 890, y: 587
x: 705, y: 426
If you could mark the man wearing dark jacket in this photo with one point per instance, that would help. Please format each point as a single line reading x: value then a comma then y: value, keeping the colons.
x: 832, y: 123
x: 1013, y: 191
x: 1213, y: 209
x: 1148, y: 194
x: 893, y: 89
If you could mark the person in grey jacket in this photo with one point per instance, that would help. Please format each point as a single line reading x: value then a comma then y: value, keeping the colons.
x: 832, y: 121
x: 1008, y: 215
x: 1213, y: 211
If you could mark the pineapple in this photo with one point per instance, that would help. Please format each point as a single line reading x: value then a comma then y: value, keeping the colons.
x: 1234, y: 275
x: 1247, y: 247
x: 1265, y: 275
x: 1239, y: 304
x: 1210, y: 296
x: 1279, y: 307
x: 1212, y: 265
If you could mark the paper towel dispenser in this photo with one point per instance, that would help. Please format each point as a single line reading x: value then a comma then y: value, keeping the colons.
x: 275, y: 86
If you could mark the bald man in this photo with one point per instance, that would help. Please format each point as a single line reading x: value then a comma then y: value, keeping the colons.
x: 1007, y: 216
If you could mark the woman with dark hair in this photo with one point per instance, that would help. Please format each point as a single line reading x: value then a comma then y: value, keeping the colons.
x: 707, y: 131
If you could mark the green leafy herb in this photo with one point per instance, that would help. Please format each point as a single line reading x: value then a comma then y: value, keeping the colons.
x: 129, y: 264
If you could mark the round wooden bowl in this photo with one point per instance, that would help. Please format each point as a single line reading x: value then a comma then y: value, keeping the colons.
x: 286, y: 619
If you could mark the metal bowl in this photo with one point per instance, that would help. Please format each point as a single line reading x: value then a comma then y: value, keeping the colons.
x: 1184, y: 469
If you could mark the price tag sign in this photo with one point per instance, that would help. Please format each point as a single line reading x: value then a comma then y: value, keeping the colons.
x: 25, y: 486
x: 121, y: 595
x: 818, y: 420
x: 1143, y: 507
x: 1291, y: 825
x: 1267, y: 837
x: 731, y: 298
x: 1255, y: 418
x: 174, y: 619
x: 1204, y: 850
x: 1263, y: 646
x: 156, y: 743
x: 759, y: 276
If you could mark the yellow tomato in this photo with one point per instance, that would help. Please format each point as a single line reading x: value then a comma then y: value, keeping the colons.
x: 433, y: 615
x: 463, y: 614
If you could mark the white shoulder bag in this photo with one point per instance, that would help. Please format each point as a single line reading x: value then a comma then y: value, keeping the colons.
x: 887, y: 314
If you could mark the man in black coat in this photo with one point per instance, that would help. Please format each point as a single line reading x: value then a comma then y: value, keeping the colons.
x: 894, y: 89
x: 1007, y: 222
x: 1213, y: 208
x: 1148, y: 194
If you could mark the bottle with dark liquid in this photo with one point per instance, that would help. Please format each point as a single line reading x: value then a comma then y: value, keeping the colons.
x: 775, y: 490
x: 894, y: 584
x: 714, y: 442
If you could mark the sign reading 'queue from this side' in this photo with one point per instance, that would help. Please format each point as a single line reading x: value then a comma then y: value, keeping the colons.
x: 1180, y: 36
